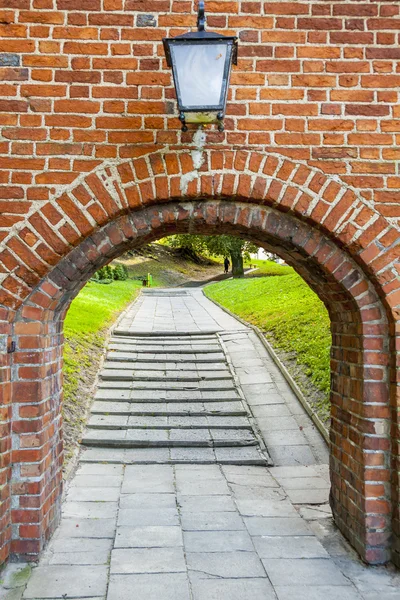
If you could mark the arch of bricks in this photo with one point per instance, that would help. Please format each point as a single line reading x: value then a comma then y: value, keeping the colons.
x: 332, y: 236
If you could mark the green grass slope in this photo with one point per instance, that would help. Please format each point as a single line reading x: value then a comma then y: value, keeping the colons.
x: 267, y: 268
x: 90, y: 315
x: 293, y: 318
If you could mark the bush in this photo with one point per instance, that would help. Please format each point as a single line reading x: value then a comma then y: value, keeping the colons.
x: 109, y: 270
x: 109, y: 273
x: 102, y: 274
x: 120, y: 273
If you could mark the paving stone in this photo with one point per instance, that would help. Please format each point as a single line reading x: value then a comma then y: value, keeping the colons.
x: 148, y: 560
x: 304, y: 483
x: 193, y: 455
x: 255, y: 507
x: 203, y: 488
x: 260, y: 401
x: 93, y: 494
x: 107, y: 421
x: 90, y: 510
x: 211, y: 504
x: 129, y: 517
x: 225, y: 564
x: 80, y: 544
x: 171, y: 586
x: 87, y: 528
x: 148, y: 421
x: 310, y: 572
x: 248, y: 478
x: 273, y: 410
x: 311, y: 513
x: 94, y: 557
x: 290, y: 472
x: 189, y: 437
x: 276, y: 423
x: 196, y: 473
x: 206, y: 521
x: 63, y: 581
x: 253, y: 491
x: 289, y: 547
x: 217, y: 541
x: 291, y: 455
x: 309, y: 496
x: 325, y: 592
x: 104, y: 455
x: 146, y: 456
x: 280, y: 526
x: 116, y: 408
x: 97, y: 480
x: 232, y: 589
x: 148, y: 537
x: 148, y: 501
x: 100, y: 469
x: 232, y: 437
x: 149, y: 479
x: 246, y: 455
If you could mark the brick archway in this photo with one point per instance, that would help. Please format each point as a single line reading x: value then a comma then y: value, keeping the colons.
x: 333, y: 237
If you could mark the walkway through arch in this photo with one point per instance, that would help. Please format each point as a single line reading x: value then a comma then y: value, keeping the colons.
x: 301, y: 215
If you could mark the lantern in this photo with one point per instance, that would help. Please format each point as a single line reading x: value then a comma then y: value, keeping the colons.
x: 201, y: 64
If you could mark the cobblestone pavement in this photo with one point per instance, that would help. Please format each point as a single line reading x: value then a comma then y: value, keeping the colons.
x: 178, y: 515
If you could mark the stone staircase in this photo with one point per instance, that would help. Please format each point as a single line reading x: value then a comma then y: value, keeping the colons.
x: 169, y: 398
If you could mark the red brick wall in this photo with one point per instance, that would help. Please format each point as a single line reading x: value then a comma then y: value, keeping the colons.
x: 84, y: 89
x: 87, y: 81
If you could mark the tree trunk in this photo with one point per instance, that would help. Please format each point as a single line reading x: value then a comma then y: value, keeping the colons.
x: 237, y: 262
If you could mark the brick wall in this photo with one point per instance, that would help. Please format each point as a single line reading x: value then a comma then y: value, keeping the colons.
x: 84, y: 81
x: 89, y: 133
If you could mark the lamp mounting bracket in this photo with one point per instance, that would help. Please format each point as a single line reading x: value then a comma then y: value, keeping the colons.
x: 201, y: 17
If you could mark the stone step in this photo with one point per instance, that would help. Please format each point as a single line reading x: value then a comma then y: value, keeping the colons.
x: 158, y: 366
x: 170, y: 409
x: 167, y: 422
x: 161, y: 438
x: 112, y: 374
x: 192, y: 350
x: 142, y: 357
x: 170, y: 341
x: 144, y: 396
x: 164, y: 333
x: 211, y: 386
x: 245, y: 455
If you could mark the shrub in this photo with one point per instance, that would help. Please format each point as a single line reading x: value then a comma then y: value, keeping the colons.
x: 120, y: 273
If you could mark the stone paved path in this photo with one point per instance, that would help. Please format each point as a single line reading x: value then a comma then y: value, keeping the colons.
x: 143, y: 523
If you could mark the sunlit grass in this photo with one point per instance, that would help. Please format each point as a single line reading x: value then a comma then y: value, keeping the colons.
x: 290, y: 313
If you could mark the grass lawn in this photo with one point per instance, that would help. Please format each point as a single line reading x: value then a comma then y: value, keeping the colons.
x: 268, y: 268
x: 292, y: 316
x: 88, y: 319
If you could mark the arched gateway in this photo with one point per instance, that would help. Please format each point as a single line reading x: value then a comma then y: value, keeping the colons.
x: 324, y: 229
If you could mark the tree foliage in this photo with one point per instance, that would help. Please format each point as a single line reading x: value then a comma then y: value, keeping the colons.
x: 216, y: 245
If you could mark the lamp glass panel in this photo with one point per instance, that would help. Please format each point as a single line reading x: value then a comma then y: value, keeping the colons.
x: 199, y: 69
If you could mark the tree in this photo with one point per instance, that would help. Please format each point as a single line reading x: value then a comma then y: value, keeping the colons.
x: 216, y: 245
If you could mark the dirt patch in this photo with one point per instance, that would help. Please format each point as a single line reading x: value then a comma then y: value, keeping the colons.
x: 79, y: 392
